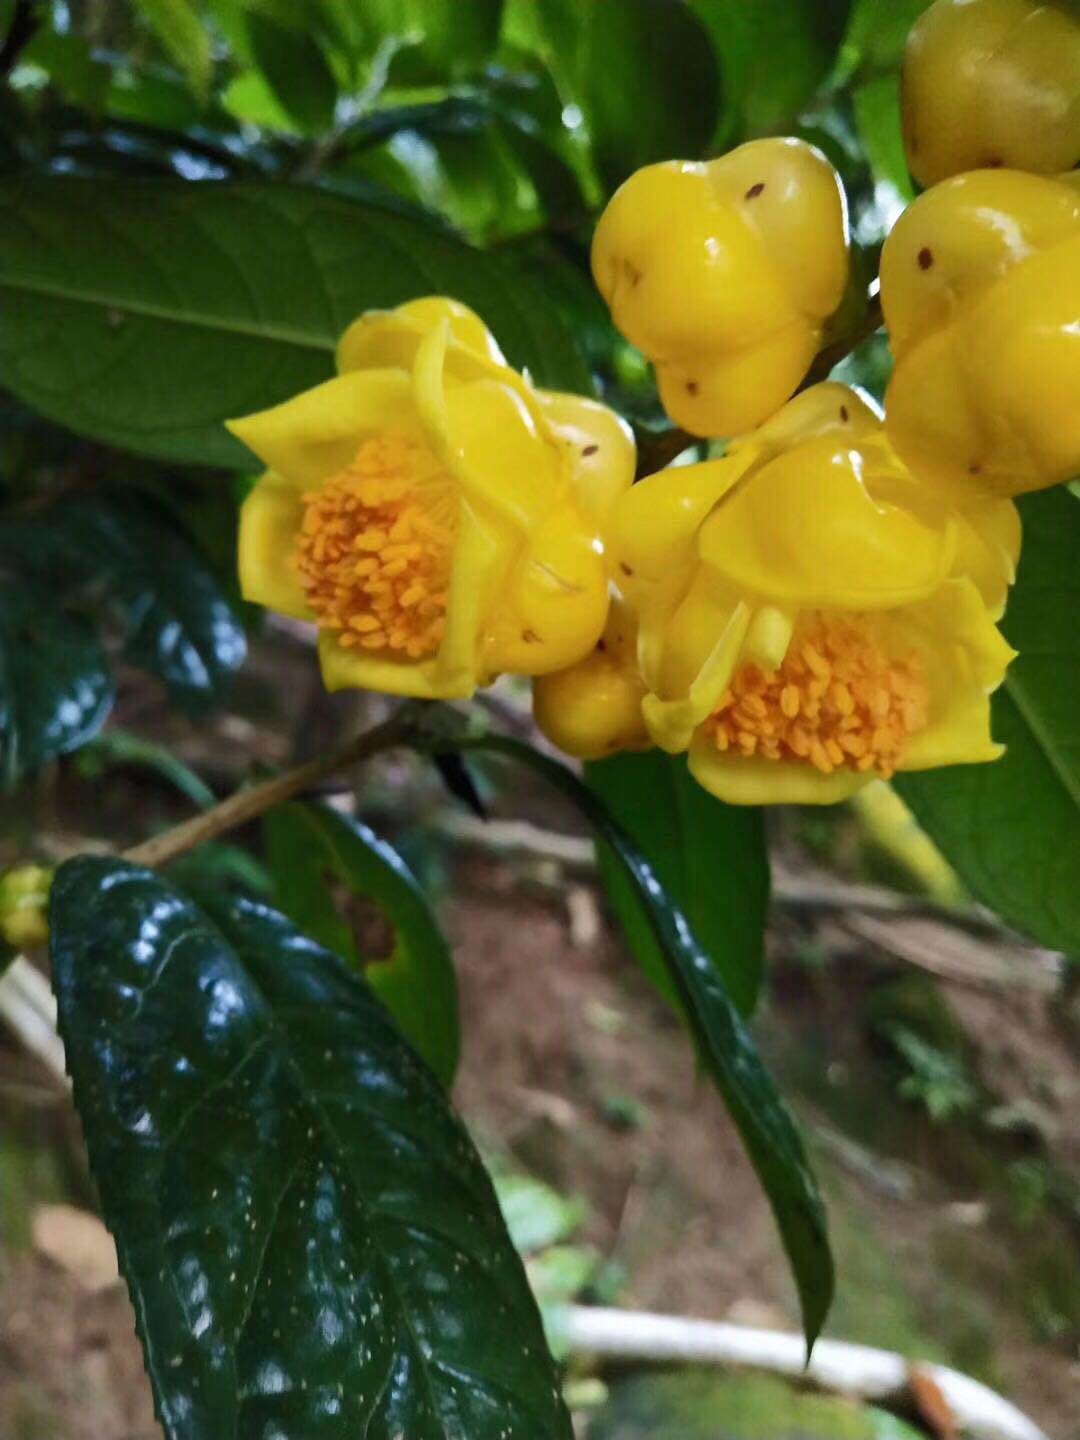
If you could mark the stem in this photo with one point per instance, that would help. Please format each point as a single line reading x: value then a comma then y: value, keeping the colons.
x: 249, y: 804
x: 656, y: 451
x: 24, y: 22
x: 827, y: 359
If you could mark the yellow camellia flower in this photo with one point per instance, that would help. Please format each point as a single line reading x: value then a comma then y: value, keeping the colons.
x: 803, y: 627
x: 723, y: 274
x: 434, y: 514
x: 593, y: 708
x: 989, y: 83
x: 980, y: 286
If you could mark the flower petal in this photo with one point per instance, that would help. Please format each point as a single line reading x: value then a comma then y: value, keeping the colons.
x: 741, y: 780
x: 554, y: 602
x: 381, y: 339
x: 600, y: 447
x: 270, y: 520
x: 314, y: 435
x: 357, y: 669
x: 964, y: 658
x: 807, y: 530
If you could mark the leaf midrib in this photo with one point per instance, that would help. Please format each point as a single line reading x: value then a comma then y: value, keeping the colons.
x: 249, y: 329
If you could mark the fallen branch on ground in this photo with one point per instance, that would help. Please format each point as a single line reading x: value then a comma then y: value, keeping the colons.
x: 870, y: 1374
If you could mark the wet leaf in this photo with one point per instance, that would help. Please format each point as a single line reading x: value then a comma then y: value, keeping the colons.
x: 312, y: 1245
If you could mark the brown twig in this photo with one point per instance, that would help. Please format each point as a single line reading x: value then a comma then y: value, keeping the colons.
x: 24, y: 22
x: 247, y: 805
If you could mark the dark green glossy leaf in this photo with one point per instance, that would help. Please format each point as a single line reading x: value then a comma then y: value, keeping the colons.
x: 312, y: 1245
x: 710, y: 859
x: 642, y: 71
x: 55, y: 686
x: 124, y: 552
x: 768, y: 1131
x: 1012, y: 828
x: 296, y: 71
x: 773, y: 55
x: 307, y: 845
x: 186, y: 304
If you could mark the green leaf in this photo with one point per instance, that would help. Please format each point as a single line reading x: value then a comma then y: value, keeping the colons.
x: 879, y: 29
x: 768, y: 1131
x: 177, y: 25
x: 642, y: 71
x: 877, y: 114
x: 70, y: 66
x: 124, y: 552
x: 55, y: 687
x: 773, y: 56
x: 312, y: 1245
x: 121, y: 747
x: 1012, y: 828
x: 457, y: 38
x: 306, y: 844
x: 183, y: 305
x: 710, y: 858
x: 297, y: 72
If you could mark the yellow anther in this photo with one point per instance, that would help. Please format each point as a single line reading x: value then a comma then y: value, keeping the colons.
x: 837, y: 700
x: 375, y: 548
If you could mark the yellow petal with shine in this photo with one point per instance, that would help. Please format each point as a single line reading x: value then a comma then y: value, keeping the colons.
x: 381, y: 339
x: 745, y: 780
x: 599, y: 448
x: 315, y: 435
x: 807, y: 530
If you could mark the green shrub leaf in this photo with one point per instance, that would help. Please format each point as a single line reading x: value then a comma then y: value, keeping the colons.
x: 1012, y: 828
x: 642, y: 72
x: 306, y: 845
x: 55, y: 686
x: 724, y: 1044
x: 773, y: 56
x: 123, y: 554
x: 183, y: 305
x: 710, y: 858
x: 296, y: 71
x: 178, y: 27
x: 312, y: 1245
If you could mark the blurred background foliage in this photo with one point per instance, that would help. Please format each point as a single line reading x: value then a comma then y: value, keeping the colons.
x: 508, y: 120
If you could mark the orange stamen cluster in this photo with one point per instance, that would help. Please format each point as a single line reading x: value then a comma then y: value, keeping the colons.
x: 375, y: 548
x: 836, y: 701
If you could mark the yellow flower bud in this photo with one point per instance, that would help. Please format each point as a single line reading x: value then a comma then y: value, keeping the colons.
x: 980, y: 286
x: 24, y: 898
x: 593, y: 708
x: 988, y: 83
x: 434, y: 514
x: 723, y: 274
x: 803, y: 624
